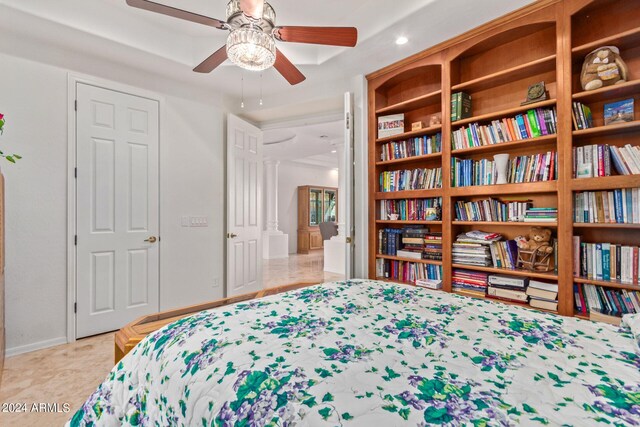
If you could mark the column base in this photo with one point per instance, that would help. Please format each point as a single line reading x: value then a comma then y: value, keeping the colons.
x: 334, y: 254
x: 275, y: 245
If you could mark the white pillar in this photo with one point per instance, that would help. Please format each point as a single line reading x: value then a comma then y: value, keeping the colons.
x: 335, y: 248
x: 275, y: 243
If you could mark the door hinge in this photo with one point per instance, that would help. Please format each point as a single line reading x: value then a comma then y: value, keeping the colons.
x: 75, y: 172
x: 348, y: 120
x: 75, y: 105
x: 75, y: 307
x: 75, y: 240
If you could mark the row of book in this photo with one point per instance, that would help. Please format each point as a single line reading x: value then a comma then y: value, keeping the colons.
x: 605, y: 261
x: 620, y: 206
x: 581, y: 114
x: 412, y: 209
x: 460, y: 106
x: 406, y: 271
x: 413, y: 243
x: 469, y: 281
x: 532, y: 124
x: 468, y: 172
x: 411, y: 179
x: 614, y: 302
x: 523, y: 290
x: 418, y: 146
x: 541, y: 215
x: 492, y: 210
x: 592, y: 161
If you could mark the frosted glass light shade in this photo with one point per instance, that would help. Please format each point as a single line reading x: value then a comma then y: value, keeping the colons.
x: 251, y: 49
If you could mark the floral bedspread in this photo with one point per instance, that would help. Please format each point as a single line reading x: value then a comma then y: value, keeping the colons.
x: 367, y: 353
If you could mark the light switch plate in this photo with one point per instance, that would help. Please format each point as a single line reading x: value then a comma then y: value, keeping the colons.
x: 199, y: 221
x: 185, y: 221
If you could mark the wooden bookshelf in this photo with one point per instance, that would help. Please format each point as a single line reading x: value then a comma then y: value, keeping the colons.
x: 412, y: 159
x: 495, y: 64
x: 419, y: 261
x: 608, y: 284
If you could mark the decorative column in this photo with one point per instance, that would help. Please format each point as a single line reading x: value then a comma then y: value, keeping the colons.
x: 335, y: 248
x: 275, y: 242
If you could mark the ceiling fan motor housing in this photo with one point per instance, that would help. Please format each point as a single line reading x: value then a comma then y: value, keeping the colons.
x: 236, y: 18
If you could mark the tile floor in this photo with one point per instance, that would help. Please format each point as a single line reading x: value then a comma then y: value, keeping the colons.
x: 70, y: 373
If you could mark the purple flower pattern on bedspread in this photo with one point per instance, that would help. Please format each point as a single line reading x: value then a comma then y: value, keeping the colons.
x: 369, y: 353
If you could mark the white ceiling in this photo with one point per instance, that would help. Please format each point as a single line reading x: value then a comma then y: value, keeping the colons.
x: 171, y: 47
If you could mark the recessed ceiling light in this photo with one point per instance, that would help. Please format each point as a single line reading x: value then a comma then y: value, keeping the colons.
x: 334, y: 151
x: 401, y: 40
x: 324, y: 136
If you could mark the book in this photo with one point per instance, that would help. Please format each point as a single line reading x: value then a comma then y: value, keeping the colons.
x: 544, y: 290
x: 460, y: 106
x: 618, y: 112
x: 390, y: 125
x: 429, y: 283
x: 543, y: 304
x: 507, y: 294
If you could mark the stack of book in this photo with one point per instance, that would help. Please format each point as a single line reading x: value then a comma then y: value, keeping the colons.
x: 606, y: 261
x: 432, y: 246
x: 473, y: 248
x: 615, y: 302
x: 469, y: 282
x: 415, y: 179
x: 507, y: 288
x: 532, y: 124
x: 626, y: 160
x: 406, y: 271
x: 418, y: 146
x: 466, y: 172
x: 412, y: 243
x: 543, y: 295
x: 412, y: 209
x: 621, y: 206
x: 541, y: 215
x: 460, y: 106
x: 492, y: 210
x: 504, y: 254
x: 534, y: 168
x: 581, y: 114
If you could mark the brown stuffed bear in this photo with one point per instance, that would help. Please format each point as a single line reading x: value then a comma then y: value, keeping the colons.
x: 603, y: 67
x: 539, y: 238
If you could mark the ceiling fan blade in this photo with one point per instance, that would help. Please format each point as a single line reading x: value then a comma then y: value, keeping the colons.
x: 287, y: 69
x: 177, y: 13
x: 333, y: 36
x: 213, y: 61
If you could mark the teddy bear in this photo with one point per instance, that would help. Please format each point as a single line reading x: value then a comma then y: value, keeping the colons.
x: 603, y: 67
x: 540, y: 239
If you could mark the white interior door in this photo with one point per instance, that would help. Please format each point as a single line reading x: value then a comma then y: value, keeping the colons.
x: 244, y: 207
x: 117, y: 254
x: 349, y: 226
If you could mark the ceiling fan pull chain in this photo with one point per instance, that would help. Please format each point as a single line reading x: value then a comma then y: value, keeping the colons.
x: 242, y: 88
x: 261, y: 89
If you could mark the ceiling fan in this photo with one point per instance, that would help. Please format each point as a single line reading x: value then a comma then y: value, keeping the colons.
x: 253, y: 33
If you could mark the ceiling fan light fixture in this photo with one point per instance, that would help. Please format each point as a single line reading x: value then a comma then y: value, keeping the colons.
x: 251, y: 49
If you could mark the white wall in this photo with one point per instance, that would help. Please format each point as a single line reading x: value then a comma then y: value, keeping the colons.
x: 291, y: 175
x: 33, y: 97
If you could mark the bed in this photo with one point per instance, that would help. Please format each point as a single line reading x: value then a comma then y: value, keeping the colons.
x: 369, y: 353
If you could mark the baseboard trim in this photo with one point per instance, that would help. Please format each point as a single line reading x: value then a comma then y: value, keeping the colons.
x: 14, y: 351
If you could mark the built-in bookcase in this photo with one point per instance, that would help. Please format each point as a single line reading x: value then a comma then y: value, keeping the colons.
x: 495, y: 64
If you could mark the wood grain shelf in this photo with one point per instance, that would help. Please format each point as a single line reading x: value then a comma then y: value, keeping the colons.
x: 408, y: 194
x: 504, y: 113
x: 508, y: 271
x: 411, y: 134
x: 630, y: 38
x: 412, y: 159
x: 615, y: 284
x: 627, y: 127
x: 407, y: 222
x: 605, y: 182
x: 581, y: 316
x: 412, y: 104
x: 501, y: 301
x: 604, y: 225
x: 483, y: 190
x: 501, y: 77
x: 609, y: 92
x: 504, y: 146
x: 419, y: 261
x: 506, y: 223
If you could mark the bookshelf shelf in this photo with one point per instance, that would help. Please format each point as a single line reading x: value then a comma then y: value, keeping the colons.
x: 413, y: 159
x: 483, y: 190
x: 504, y: 146
x: 508, y: 271
x: 500, y: 301
x: 507, y: 75
x: 615, y: 284
x: 609, y: 92
x: 411, y: 134
x: 622, y: 40
x: 605, y: 182
x: 627, y: 127
x: 506, y: 223
x: 408, y: 194
x: 401, y: 222
x: 419, y: 261
x: 412, y: 104
x: 504, y: 113
x: 603, y: 225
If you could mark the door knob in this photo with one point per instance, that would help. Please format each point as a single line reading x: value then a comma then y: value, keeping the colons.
x: 151, y: 239
x: 231, y: 235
